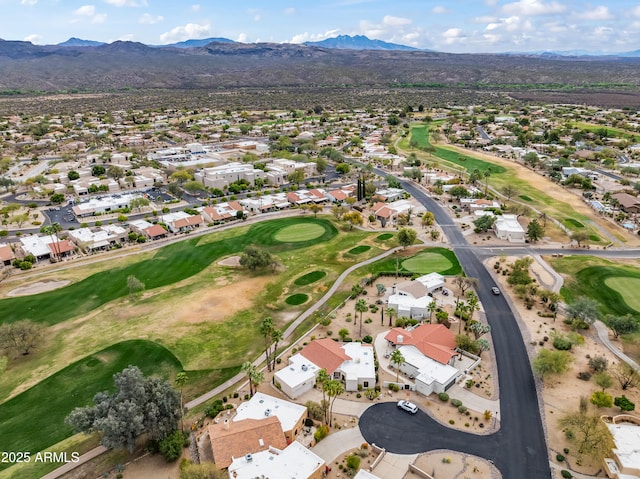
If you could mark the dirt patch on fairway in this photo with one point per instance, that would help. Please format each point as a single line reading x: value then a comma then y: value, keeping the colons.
x: 233, y: 261
x: 221, y: 303
x: 39, y: 287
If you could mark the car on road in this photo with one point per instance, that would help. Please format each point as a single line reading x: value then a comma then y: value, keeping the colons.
x: 495, y: 290
x: 407, y: 406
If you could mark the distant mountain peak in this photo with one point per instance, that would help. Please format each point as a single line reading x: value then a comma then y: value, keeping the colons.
x: 357, y: 42
x: 79, y: 42
x: 194, y: 43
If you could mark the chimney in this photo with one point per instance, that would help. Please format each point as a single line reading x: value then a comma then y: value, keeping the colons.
x: 226, y: 424
x: 400, y: 339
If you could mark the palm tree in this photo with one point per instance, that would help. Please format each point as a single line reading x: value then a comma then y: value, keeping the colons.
x: 361, y: 307
x: 432, y: 307
x: 254, y: 376
x: 322, y: 378
x: 398, y: 359
x: 277, y: 336
x: 53, y: 229
x: 333, y: 389
x: 181, y: 380
x: 391, y: 313
x: 487, y: 174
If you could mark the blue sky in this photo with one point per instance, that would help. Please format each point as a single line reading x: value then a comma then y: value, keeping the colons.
x: 450, y: 26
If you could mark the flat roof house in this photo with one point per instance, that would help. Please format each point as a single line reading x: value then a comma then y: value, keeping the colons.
x: 293, y: 462
x: 411, y: 298
x: 507, y: 227
x: 290, y: 415
x: 625, y: 464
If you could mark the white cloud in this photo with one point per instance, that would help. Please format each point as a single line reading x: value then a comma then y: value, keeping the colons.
x: 186, y: 32
x: 636, y: 11
x: 454, y: 35
x: 148, y: 19
x: 195, y: 8
x: 85, y: 11
x: 34, y: 38
x: 603, y: 32
x: 491, y: 3
x: 532, y: 7
x: 99, y: 18
x: 289, y: 11
x: 129, y: 37
x: 491, y: 37
x: 29, y: 3
x: 395, y: 21
x: 485, y: 19
x: 439, y: 10
x: 242, y: 38
x: 313, y: 37
x: 127, y: 3
x: 510, y: 24
x: 255, y: 14
x: 597, y: 14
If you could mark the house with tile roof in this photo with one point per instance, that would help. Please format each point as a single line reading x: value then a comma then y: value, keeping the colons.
x: 290, y: 415
x: 6, y: 254
x: 352, y: 363
x: 234, y: 439
x: 430, y: 356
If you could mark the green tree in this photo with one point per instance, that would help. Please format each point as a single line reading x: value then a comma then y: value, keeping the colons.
x: 550, y: 363
x: 136, y: 287
x: 353, y: 218
x: 603, y: 380
x: 579, y: 237
x: 255, y: 258
x: 333, y: 388
x: 52, y: 230
x: 397, y: 358
x: 475, y: 176
x: 206, y: 470
x: 361, y: 307
x: 531, y: 159
x: 487, y: 174
x: 115, y: 172
x: 428, y: 219
x: 98, y: 170
x: 338, y: 211
x: 626, y: 324
x: 601, y: 399
x: 321, y: 379
x: 535, y: 231
x: 627, y: 377
x: 624, y: 404
x: 343, y: 168
x: 406, y: 237
x: 390, y: 312
x: 21, y: 337
x: 458, y: 192
x: 315, y: 209
x: 254, y: 375
x: 484, y: 223
x: 509, y: 191
x: 139, y: 405
x: 589, y: 432
x: 296, y: 177
x: 466, y: 343
x: 181, y: 380
x: 171, y: 446
x: 73, y: 175
x: 267, y: 328
x: 138, y: 203
x: 181, y: 176
x: 583, y: 311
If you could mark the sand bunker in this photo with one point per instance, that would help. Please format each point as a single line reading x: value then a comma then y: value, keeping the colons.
x: 39, y: 287
x: 230, y: 261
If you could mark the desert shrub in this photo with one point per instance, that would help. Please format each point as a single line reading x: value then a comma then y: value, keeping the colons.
x: 584, y: 375
x: 456, y: 402
x: 172, y: 445
x: 321, y: 432
x: 559, y: 457
x: 566, y: 474
x: 598, y: 364
x: 624, y: 404
x: 353, y: 462
x: 561, y: 342
x: 443, y: 397
x: 308, y: 422
x: 601, y: 399
x: 463, y: 409
x: 215, y: 408
x: 394, y: 387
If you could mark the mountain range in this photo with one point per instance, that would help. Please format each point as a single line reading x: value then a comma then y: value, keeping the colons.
x: 222, y: 63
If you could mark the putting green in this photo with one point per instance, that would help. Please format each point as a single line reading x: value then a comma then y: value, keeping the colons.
x: 628, y: 289
x: 427, y: 262
x: 384, y: 236
x: 359, y: 249
x: 296, y: 299
x: 300, y: 232
x: 310, y: 278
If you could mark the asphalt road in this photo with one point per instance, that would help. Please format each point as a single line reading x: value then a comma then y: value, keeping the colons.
x: 519, y: 448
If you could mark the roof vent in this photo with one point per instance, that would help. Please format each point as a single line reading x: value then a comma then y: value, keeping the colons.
x: 400, y: 338
x: 267, y: 412
x: 248, y: 458
x: 304, y: 367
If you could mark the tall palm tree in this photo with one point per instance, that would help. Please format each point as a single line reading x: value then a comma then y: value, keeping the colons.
x: 181, y: 380
x: 254, y: 376
x: 53, y: 229
x: 277, y: 336
x: 432, y: 307
x: 391, y: 313
x: 487, y: 174
x: 333, y: 389
x: 322, y: 378
x: 397, y: 358
x: 361, y: 307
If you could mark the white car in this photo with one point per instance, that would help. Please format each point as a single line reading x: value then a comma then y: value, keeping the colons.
x: 495, y: 290
x: 408, y: 406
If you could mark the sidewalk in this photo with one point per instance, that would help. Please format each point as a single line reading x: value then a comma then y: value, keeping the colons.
x: 338, y: 443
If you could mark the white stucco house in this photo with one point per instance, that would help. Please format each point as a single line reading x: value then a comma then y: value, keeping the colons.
x: 352, y: 363
x: 412, y: 298
x: 507, y: 227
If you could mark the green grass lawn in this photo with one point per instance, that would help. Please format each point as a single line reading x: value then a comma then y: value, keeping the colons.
x: 299, y: 232
x: 525, y: 198
x: 609, y: 283
x: 34, y: 419
x: 628, y: 289
x: 420, y: 134
x: 439, y: 260
x: 359, y: 249
x: 384, y: 236
x: 573, y: 224
x: 427, y: 262
x: 169, y: 265
x: 297, y: 299
x: 309, y: 278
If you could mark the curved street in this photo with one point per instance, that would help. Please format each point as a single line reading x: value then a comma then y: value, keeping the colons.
x: 519, y: 448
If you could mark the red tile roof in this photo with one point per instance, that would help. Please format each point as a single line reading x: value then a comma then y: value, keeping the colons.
x: 61, y: 247
x: 325, y: 353
x: 339, y: 195
x: 236, y: 439
x: 6, y: 253
x: 155, y: 231
x: 433, y: 340
x: 189, y: 221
